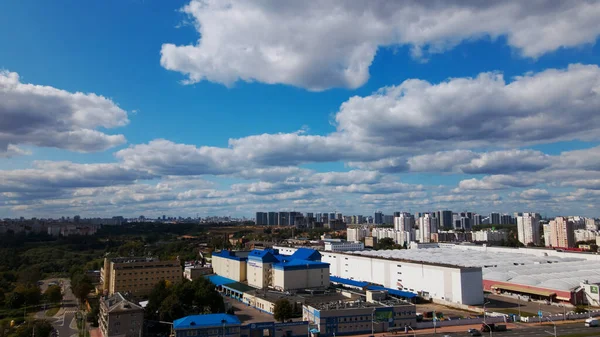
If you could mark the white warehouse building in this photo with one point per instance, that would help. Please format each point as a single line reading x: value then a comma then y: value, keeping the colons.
x: 396, y: 269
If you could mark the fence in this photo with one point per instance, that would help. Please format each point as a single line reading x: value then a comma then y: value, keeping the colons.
x: 560, y: 317
x: 455, y: 322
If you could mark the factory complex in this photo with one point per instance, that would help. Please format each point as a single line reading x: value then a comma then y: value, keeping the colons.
x: 259, y: 278
x: 459, y: 274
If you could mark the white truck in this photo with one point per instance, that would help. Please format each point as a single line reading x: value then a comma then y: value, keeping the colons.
x: 591, y: 322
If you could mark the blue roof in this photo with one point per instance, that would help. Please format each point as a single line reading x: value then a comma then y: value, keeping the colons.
x: 395, y: 292
x: 228, y: 254
x: 190, y: 322
x: 306, y: 254
x: 349, y: 282
x: 219, y: 280
x: 300, y: 264
x: 267, y: 255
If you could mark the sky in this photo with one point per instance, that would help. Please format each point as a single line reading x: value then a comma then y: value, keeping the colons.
x: 190, y: 107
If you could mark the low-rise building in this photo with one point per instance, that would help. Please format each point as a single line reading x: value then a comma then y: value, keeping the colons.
x: 359, y: 317
x: 196, y: 271
x: 343, y: 246
x: 120, y: 317
x: 213, y: 325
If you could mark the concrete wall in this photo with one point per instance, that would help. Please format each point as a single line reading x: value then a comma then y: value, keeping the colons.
x: 300, y: 279
x: 454, y: 284
x: 232, y: 269
x: 353, y: 321
x: 258, y: 274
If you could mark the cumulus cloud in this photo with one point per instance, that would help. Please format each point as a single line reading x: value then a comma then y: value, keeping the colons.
x: 48, y: 117
x: 332, y: 43
x: 535, y: 193
x: 507, y: 161
x: 478, y: 112
x: 497, y: 182
x: 165, y: 157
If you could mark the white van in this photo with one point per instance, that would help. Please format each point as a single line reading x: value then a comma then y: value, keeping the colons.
x: 591, y: 322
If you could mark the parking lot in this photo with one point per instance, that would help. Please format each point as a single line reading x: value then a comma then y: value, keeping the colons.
x: 248, y: 314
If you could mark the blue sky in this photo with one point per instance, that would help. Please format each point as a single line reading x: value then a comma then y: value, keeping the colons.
x: 235, y: 107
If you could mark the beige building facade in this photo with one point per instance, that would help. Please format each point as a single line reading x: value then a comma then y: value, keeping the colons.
x: 137, y: 276
x: 562, y: 233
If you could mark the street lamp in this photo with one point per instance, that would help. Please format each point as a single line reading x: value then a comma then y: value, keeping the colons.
x: 413, y: 330
x: 489, y: 327
x: 551, y: 321
x: 484, y: 314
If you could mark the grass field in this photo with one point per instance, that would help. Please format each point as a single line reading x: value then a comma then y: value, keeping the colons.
x: 52, y: 311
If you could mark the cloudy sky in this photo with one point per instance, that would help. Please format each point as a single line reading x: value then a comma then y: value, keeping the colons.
x: 192, y: 107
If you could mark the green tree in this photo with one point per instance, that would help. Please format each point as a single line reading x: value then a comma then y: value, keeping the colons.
x: 31, y: 294
x: 387, y: 243
x: 15, y: 300
x: 41, y: 328
x: 283, y: 310
x: 81, y: 285
x: 53, y: 294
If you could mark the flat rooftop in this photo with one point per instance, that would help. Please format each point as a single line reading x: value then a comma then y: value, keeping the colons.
x: 548, y: 272
x: 328, y: 300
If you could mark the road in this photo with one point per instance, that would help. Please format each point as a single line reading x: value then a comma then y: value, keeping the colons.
x: 64, y: 320
x: 530, y: 331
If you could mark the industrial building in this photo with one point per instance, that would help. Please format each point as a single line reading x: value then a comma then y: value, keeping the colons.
x: 410, y: 270
x: 357, y: 316
x: 137, y: 275
x: 268, y: 268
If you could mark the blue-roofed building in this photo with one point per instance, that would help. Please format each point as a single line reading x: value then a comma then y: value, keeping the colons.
x: 306, y: 254
x: 231, y: 264
x: 269, y: 269
x: 211, y: 325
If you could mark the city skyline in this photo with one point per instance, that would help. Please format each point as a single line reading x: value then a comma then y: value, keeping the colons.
x: 158, y: 108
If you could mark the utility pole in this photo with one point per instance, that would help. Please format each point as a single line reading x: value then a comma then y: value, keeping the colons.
x: 373, y: 322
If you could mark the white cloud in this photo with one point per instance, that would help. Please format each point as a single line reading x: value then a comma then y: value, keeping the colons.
x: 484, y: 111
x: 535, y: 193
x: 510, y: 161
x: 497, y: 182
x: 322, y: 44
x: 48, y: 117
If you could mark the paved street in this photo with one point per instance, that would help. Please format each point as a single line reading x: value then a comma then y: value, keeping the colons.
x: 528, y: 330
x: 63, y: 321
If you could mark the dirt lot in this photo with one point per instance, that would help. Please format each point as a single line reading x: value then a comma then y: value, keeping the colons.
x: 448, y: 312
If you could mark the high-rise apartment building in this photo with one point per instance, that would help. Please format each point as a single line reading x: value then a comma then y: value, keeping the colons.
x: 547, y: 235
x: 528, y: 228
x: 137, y: 275
x: 494, y: 218
x: 445, y: 219
x: 272, y: 219
x: 357, y: 234
x: 284, y: 218
x: 506, y: 219
x: 427, y: 225
x: 261, y: 218
x: 404, y: 222
x: 378, y: 218
x: 563, y: 235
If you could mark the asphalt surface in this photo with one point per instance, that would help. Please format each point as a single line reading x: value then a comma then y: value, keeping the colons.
x: 63, y: 321
x: 530, y: 331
